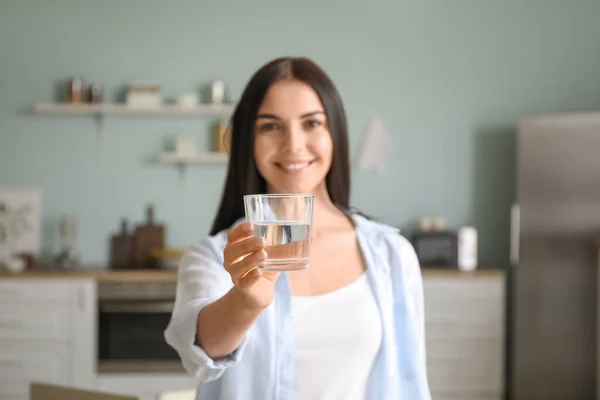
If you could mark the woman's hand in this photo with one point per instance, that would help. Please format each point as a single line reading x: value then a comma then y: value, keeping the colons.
x: 242, y: 256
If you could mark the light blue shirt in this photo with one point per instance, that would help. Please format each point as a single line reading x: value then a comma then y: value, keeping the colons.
x: 262, y: 368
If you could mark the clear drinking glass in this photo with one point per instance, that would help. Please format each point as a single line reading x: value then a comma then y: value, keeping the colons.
x: 285, y: 221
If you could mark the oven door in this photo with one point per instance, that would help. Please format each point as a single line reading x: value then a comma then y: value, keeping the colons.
x: 131, y: 337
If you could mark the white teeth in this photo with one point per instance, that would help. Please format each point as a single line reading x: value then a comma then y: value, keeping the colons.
x: 295, y: 166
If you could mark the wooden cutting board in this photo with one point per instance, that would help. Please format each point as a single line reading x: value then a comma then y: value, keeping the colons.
x: 122, y: 248
x: 147, y: 236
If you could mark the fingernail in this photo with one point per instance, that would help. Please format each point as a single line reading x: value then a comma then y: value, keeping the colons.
x: 259, y: 241
x: 260, y: 255
x: 247, y: 227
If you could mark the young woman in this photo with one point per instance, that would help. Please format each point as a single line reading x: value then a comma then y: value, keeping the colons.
x: 348, y: 327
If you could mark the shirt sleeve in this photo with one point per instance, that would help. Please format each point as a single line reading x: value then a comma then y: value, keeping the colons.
x: 201, y: 279
x: 409, y: 316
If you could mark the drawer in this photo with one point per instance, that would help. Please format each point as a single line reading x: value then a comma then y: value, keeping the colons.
x: 476, y: 311
x: 466, y: 396
x: 22, y: 363
x: 34, y: 289
x: 463, y: 288
x: 461, y: 349
x: 13, y: 396
x: 458, y: 328
x: 31, y: 320
x: 472, y: 375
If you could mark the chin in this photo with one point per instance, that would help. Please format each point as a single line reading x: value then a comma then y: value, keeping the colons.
x: 287, y: 189
x: 291, y: 191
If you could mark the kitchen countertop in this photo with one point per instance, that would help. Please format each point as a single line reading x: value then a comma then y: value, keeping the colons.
x: 100, y: 274
x: 483, y: 272
x: 168, y: 275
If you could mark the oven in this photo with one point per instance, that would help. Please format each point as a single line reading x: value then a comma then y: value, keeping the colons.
x: 132, y: 318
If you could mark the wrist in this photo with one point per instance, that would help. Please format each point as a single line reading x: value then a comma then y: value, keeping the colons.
x: 245, y: 301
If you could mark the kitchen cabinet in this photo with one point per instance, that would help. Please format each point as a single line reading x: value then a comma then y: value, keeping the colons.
x: 464, y: 329
x: 48, y: 332
x: 45, y: 334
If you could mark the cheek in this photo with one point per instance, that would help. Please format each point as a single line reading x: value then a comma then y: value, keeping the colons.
x: 259, y: 147
x: 263, y: 149
x: 323, y: 147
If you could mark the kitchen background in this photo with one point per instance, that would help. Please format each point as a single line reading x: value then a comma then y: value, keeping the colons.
x: 448, y: 78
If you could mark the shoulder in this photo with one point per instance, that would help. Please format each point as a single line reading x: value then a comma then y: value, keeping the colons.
x: 371, y: 228
x: 378, y: 233
x: 395, y: 249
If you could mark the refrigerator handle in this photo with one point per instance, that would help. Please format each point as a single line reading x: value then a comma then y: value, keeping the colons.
x: 515, y: 227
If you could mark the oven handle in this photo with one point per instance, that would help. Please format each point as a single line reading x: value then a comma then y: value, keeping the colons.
x: 138, y: 307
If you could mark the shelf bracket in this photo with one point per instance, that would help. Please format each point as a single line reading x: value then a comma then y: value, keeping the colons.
x: 181, y: 168
x: 99, y: 119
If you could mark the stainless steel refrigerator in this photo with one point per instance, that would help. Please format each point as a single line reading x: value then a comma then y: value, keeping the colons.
x: 555, y: 221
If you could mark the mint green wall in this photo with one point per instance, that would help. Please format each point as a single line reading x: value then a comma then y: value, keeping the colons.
x: 449, y: 78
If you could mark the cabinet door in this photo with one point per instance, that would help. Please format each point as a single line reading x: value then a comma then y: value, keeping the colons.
x: 464, y: 328
x: 47, y: 333
x: 28, y: 320
x: 34, y: 309
x: 21, y: 363
x: 25, y: 289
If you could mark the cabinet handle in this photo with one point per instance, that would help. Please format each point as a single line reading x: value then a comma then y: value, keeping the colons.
x: 138, y: 307
x: 80, y: 299
x: 515, y: 230
x: 11, y: 324
x: 11, y: 363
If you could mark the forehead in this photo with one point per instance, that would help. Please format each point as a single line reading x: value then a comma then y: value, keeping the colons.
x: 290, y: 98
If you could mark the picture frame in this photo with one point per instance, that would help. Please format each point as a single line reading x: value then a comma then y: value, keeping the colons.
x: 20, y: 223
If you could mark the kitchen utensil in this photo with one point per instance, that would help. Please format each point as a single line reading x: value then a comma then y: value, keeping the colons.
x: 166, y: 257
x: 148, y: 236
x: 121, y: 248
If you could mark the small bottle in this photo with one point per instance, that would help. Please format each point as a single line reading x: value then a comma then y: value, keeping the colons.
x: 217, y: 92
x: 95, y: 94
x: 222, y: 138
x: 467, y: 248
x: 75, y: 91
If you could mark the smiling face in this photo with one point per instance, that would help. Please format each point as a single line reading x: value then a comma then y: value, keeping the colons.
x: 293, y: 149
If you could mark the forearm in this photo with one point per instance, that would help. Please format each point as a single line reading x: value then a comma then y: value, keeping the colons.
x: 222, y: 325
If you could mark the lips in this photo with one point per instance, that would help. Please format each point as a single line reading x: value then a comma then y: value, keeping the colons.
x: 294, y: 167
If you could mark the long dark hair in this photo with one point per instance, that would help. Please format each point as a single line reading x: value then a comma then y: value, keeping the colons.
x: 242, y: 175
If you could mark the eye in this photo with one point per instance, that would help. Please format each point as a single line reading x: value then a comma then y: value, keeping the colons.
x: 312, y: 124
x: 268, y: 127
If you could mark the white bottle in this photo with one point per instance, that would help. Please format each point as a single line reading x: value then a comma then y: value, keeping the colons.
x: 467, y: 248
x: 217, y: 92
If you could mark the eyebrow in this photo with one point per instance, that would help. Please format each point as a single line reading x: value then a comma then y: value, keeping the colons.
x: 273, y: 116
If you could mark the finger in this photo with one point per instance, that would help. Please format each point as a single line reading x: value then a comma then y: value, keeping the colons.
x: 240, y: 232
x: 242, y: 268
x: 250, y: 271
x: 234, y: 251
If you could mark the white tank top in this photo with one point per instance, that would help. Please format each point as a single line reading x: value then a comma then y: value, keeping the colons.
x: 337, y: 337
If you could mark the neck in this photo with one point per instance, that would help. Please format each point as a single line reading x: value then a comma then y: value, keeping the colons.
x: 323, y: 208
x: 324, y: 211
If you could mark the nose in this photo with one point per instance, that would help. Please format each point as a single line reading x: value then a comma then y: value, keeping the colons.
x: 294, y: 139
